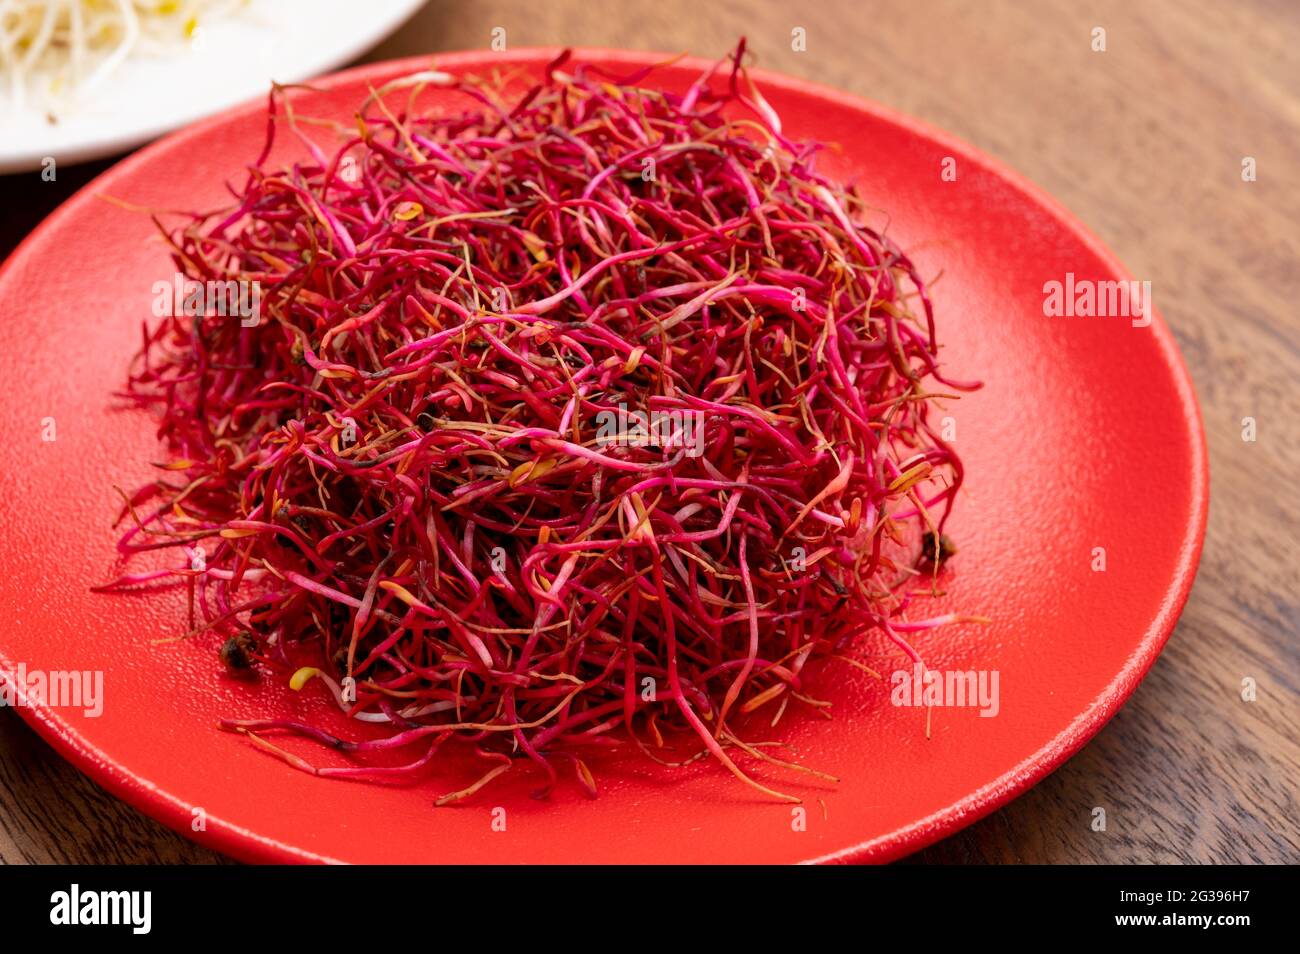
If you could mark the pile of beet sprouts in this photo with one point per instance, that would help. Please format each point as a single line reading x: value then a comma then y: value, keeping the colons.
x: 435, y: 476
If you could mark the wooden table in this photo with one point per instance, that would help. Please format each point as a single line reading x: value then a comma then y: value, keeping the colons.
x: 1145, y: 143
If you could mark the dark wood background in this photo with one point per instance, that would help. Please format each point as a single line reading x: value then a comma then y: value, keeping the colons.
x: 1144, y: 143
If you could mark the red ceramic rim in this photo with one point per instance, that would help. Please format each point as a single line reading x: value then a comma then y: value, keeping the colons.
x: 1001, y: 204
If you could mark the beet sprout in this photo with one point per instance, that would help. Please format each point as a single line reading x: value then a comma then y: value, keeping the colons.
x: 398, y: 478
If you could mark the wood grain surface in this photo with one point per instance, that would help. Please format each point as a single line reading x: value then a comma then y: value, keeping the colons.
x: 1144, y: 142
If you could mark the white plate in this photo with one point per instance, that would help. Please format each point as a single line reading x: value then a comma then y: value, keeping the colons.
x: 234, y: 59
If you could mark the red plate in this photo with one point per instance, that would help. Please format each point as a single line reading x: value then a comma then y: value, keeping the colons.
x: 1086, y: 435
